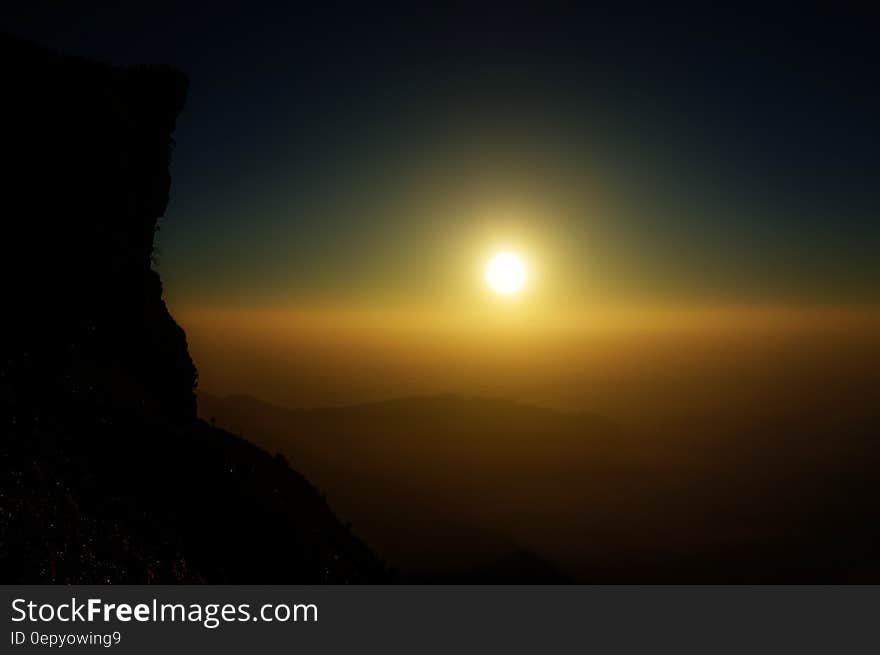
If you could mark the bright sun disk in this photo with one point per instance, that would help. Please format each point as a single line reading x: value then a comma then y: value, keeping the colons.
x: 506, y: 273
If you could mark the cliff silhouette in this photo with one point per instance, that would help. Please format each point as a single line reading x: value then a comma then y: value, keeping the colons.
x: 107, y: 475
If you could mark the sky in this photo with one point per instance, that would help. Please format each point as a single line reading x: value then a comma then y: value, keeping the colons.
x: 359, y: 168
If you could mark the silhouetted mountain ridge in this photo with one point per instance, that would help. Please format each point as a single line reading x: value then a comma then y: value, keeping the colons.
x: 436, y: 407
x: 419, y: 459
x: 451, y: 488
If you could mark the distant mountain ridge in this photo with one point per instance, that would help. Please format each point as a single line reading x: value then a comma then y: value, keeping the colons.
x: 421, y: 458
x: 451, y: 489
x: 443, y: 408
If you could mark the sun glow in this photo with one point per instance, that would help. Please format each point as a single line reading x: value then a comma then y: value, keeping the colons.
x: 506, y: 273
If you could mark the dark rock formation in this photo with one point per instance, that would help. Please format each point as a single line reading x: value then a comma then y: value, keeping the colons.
x: 87, y: 150
x: 106, y: 475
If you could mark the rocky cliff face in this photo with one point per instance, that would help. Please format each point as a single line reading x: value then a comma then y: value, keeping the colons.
x: 106, y: 475
x: 87, y: 151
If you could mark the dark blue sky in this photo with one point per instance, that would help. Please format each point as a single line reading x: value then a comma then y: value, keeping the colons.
x: 333, y: 155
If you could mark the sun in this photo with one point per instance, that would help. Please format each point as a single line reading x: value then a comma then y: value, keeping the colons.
x: 506, y: 273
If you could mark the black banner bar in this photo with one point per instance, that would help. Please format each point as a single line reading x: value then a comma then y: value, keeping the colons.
x: 231, y: 619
